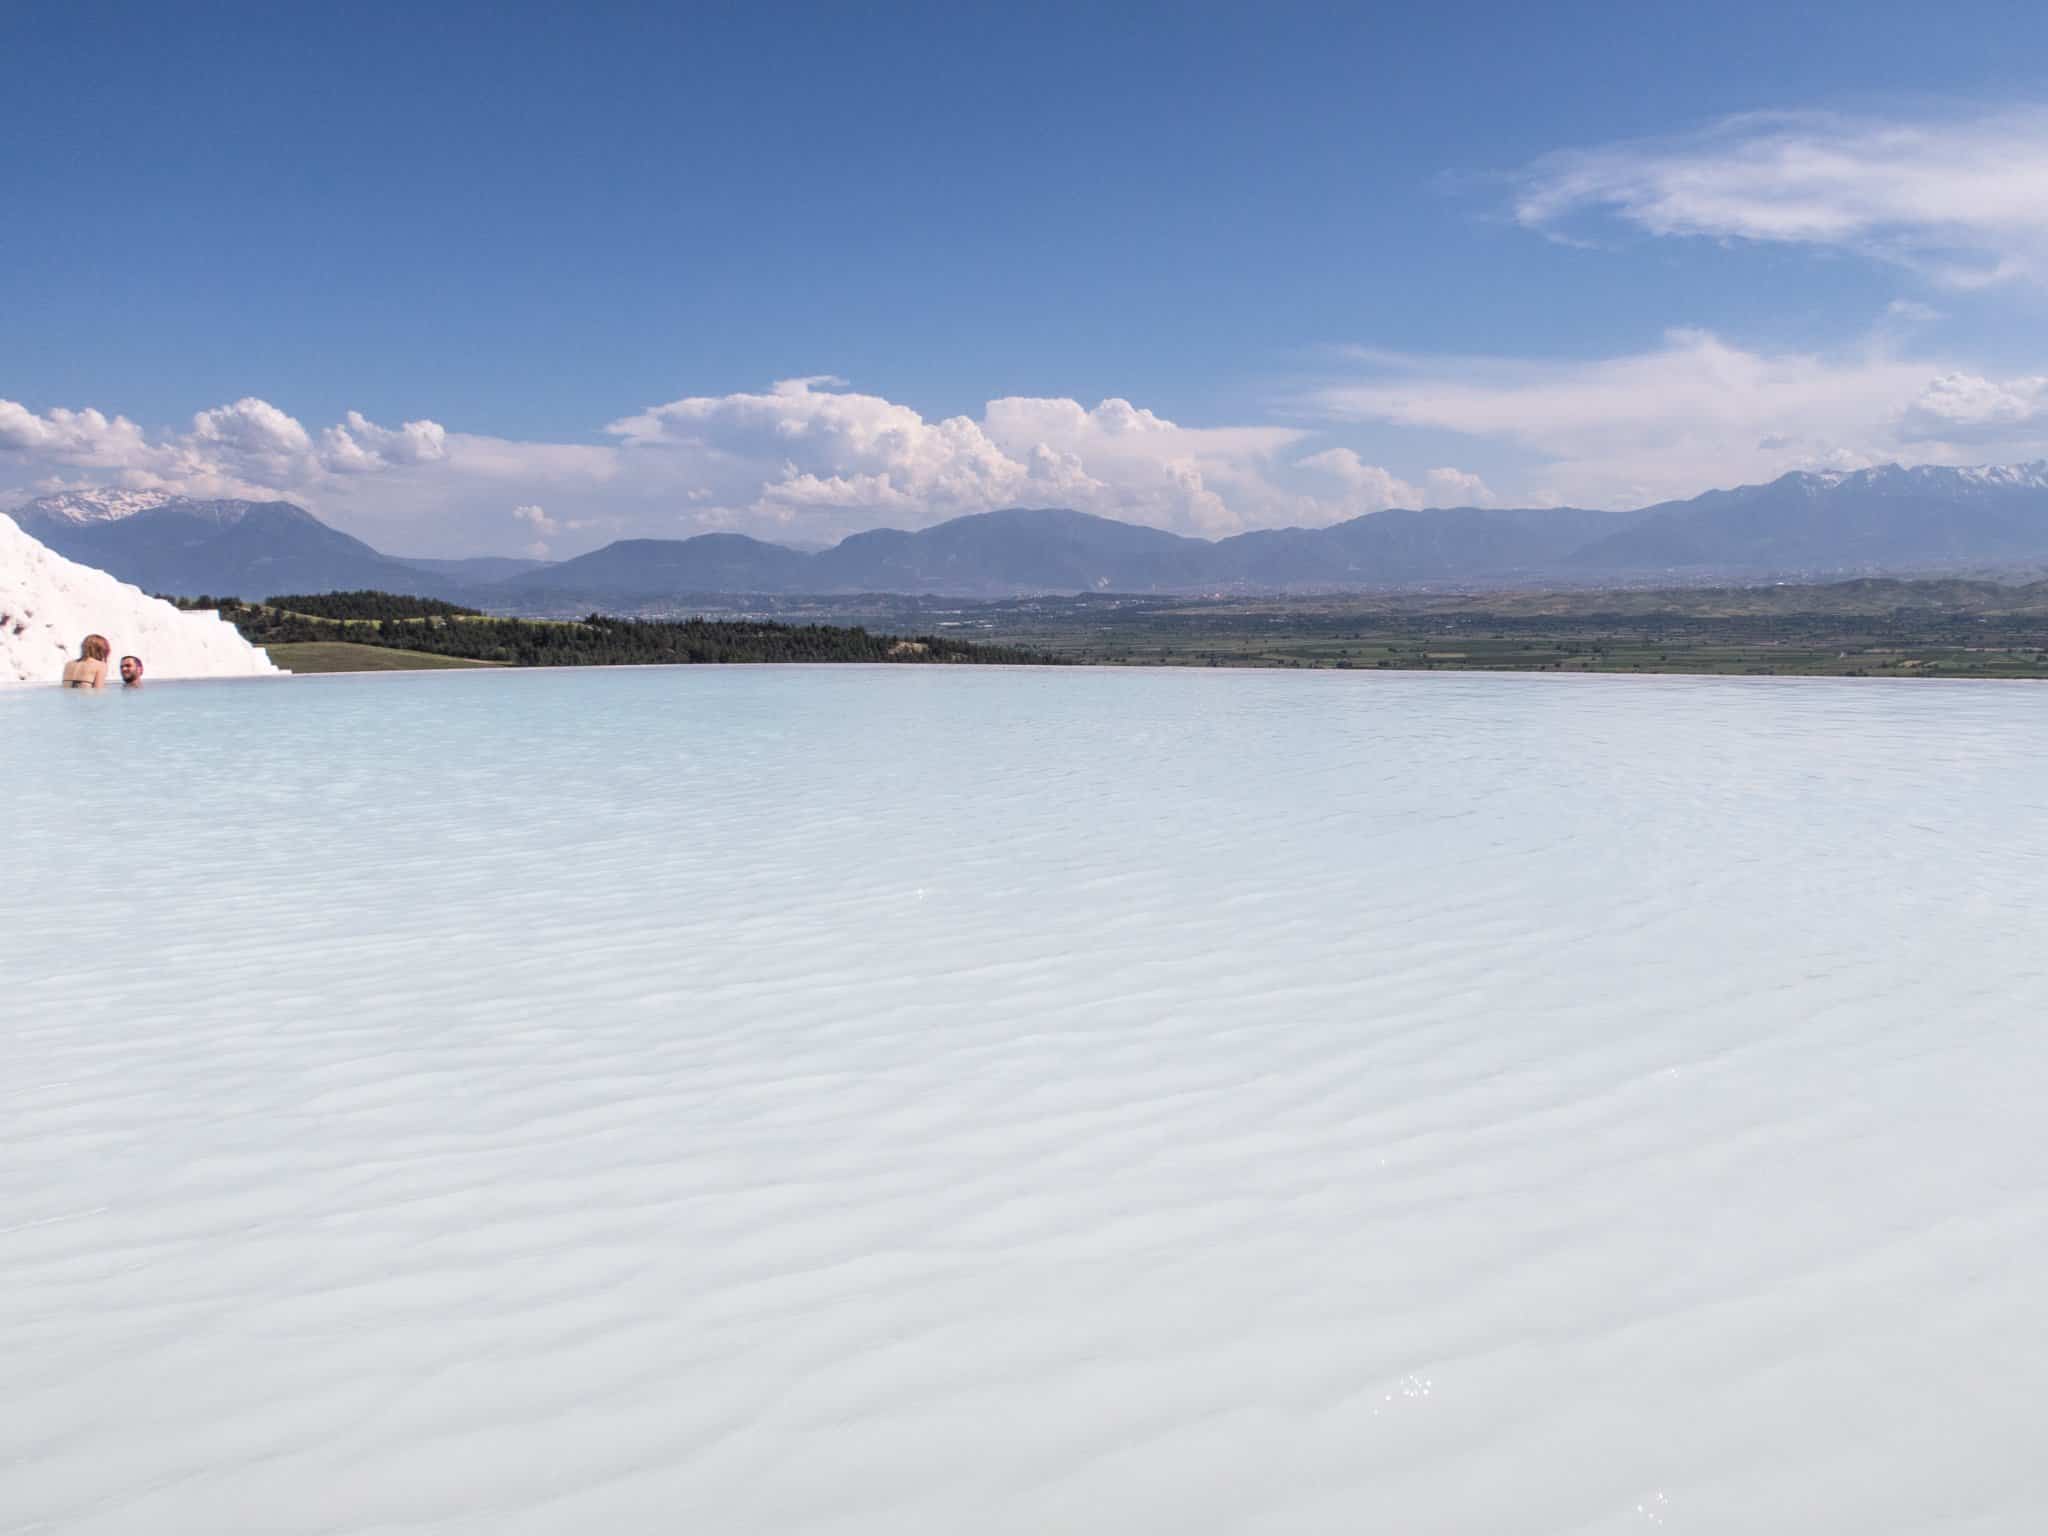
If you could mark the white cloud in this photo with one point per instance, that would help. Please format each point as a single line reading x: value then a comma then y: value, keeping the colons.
x: 246, y: 448
x: 811, y: 462
x: 805, y: 459
x: 805, y: 448
x: 1370, y: 488
x: 1698, y: 412
x: 85, y: 439
x: 253, y: 428
x: 1457, y: 488
x: 360, y: 445
x: 1123, y: 461
x: 536, y: 518
x: 1960, y: 407
x: 807, y: 452
x: 1962, y: 199
x: 834, y: 449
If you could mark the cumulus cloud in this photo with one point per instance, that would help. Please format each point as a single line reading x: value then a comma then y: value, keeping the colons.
x: 360, y: 446
x: 807, y: 447
x: 85, y: 439
x: 253, y: 428
x: 537, y: 519
x: 1967, y: 407
x: 808, y: 458
x: 832, y: 448
x: 546, y: 527
x: 1124, y: 461
x: 1369, y: 487
x: 251, y: 448
x: 1457, y: 488
x: 1962, y: 199
x: 246, y: 448
x: 1695, y: 412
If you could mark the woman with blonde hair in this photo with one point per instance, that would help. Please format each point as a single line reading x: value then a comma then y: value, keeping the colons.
x: 90, y: 669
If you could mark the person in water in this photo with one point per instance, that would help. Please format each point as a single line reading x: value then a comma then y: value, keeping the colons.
x: 90, y: 669
x: 131, y: 671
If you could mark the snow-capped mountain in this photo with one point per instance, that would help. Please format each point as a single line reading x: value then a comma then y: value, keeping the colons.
x: 104, y: 507
x: 1927, y: 479
x: 2029, y: 477
x: 96, y: 504
x: 1886, y: 518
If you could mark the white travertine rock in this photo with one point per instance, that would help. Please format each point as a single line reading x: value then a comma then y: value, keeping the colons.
x: 49, y: 604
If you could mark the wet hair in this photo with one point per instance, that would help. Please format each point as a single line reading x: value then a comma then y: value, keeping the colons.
x: 126, y: 659
x: 95, y: 648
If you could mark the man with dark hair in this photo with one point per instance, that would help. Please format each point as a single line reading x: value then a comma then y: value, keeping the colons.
x: 131, y: 671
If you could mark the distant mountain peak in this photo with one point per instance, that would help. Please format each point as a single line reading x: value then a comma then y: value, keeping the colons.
x: 1883, y: 518
x: 2030, y: 476
x: 105, y: 506
x: 95, y: 504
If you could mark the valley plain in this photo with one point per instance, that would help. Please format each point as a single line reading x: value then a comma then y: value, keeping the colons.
x: 1905, y: 629
x: 1847, y: 629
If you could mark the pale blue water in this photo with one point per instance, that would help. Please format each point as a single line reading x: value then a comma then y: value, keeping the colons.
x: 918, y: 1099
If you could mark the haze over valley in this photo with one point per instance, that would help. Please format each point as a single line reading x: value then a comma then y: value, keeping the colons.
x: 1807, y: 526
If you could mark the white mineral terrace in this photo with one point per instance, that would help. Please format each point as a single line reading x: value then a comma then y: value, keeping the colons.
x: 48, y: 605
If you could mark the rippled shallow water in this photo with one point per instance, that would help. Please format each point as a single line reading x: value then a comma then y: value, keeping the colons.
x: 920, y: 1100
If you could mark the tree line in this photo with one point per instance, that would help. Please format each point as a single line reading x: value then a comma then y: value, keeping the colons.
x: 598, y: 640
x: 370, y: 605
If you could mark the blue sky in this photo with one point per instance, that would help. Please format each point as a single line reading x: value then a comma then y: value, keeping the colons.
x: 1318, y: 259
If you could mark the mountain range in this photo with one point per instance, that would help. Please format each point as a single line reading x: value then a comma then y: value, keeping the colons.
x: 185, y: 547
x: 1887, y: 519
